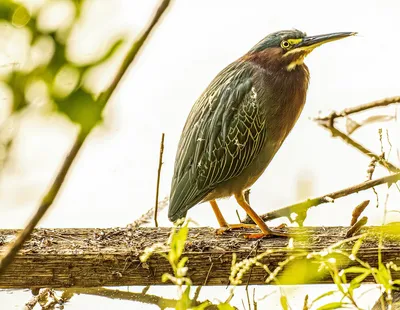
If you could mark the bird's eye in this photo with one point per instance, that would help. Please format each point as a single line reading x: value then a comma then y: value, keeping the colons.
x: 285, y: 44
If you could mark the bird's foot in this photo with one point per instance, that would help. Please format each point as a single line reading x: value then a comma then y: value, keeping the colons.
x: 229, y: 227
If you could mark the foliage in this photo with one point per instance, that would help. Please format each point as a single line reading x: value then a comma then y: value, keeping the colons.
x: 173, y: 253
x: 328, y: 261
x: 37, y: 69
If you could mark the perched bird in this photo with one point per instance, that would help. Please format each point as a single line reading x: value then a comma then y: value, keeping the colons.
x: 240, y: 121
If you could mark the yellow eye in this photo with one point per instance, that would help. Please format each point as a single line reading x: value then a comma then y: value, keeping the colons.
x: 285, y: 44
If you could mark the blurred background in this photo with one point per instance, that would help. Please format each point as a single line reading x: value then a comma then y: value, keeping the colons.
x: 59, y: 51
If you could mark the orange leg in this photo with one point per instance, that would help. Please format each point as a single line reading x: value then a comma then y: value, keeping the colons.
x: 222, y: 222
x: 218, y: 214
x: 254, y: 216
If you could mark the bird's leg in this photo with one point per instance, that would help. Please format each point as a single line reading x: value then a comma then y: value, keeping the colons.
x: 266, y: 231
x: 218, y: 214
x: 224, y: 226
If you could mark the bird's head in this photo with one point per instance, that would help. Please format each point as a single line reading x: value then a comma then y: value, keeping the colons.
x: 288, y: 48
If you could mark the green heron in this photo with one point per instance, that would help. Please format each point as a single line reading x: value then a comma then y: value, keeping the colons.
x: 240, y: 121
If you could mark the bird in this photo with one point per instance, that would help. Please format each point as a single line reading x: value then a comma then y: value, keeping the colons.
x: 239, y: 122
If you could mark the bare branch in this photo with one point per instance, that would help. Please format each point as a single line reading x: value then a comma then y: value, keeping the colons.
x: 102, y: 100
x: 363, y: 107
x: 160, y: 162
x: 305, y: 205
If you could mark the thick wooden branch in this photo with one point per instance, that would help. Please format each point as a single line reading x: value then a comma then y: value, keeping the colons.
x: 110, y: 257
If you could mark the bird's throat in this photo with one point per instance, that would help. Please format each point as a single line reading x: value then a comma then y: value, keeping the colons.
x: 296, y: 62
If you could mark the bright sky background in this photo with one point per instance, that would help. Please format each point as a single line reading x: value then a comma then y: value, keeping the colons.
x: 113, y: 181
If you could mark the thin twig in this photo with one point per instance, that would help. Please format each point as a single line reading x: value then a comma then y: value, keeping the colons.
x: 305, y: 205
x: 363, y: 107
x: 160, y: 162
x: 208, y: 274
x: 337, y: 133
x: 54, y: 189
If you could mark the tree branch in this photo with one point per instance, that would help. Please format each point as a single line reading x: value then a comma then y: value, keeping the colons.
x: 102, y: 100
x: 363, y: 107
x: 160, y: 162
x: 305, y: 205
x: 65, y: 258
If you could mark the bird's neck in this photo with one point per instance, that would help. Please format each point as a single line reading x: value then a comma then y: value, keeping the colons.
x: 286, y: 89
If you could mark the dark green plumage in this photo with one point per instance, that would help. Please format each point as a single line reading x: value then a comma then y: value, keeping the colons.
x: 238, y: 124
x: 223, y: 134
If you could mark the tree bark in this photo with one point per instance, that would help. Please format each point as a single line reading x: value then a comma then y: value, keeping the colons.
x: 60, y: 258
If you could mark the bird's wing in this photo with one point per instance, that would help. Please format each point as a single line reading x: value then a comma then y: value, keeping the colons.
x: 223, y: 134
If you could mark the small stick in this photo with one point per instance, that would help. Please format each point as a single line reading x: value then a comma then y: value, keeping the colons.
x: 208, y: 274
x: 160, y: 162
x: 307, y: 204
x: 363, y: 107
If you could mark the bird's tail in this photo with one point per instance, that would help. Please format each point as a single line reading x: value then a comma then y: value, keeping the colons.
x: 184, y: 195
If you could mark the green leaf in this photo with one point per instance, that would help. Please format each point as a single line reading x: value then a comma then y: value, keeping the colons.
x: 355, y: 269
x: 357, y: 280
x: 329, y: 293
x: 81, y: 108
x: 284, y: 302
x: 182, y: 262
x: 225, y: 306
x: 177, y: 245
x: 165, y: 277
x: 357, y: 246
x: 184, y: 302
x: 332, y: 305
x: 383, y: 276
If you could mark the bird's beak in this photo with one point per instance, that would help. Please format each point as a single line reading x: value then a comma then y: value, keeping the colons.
x: 309, y: 43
